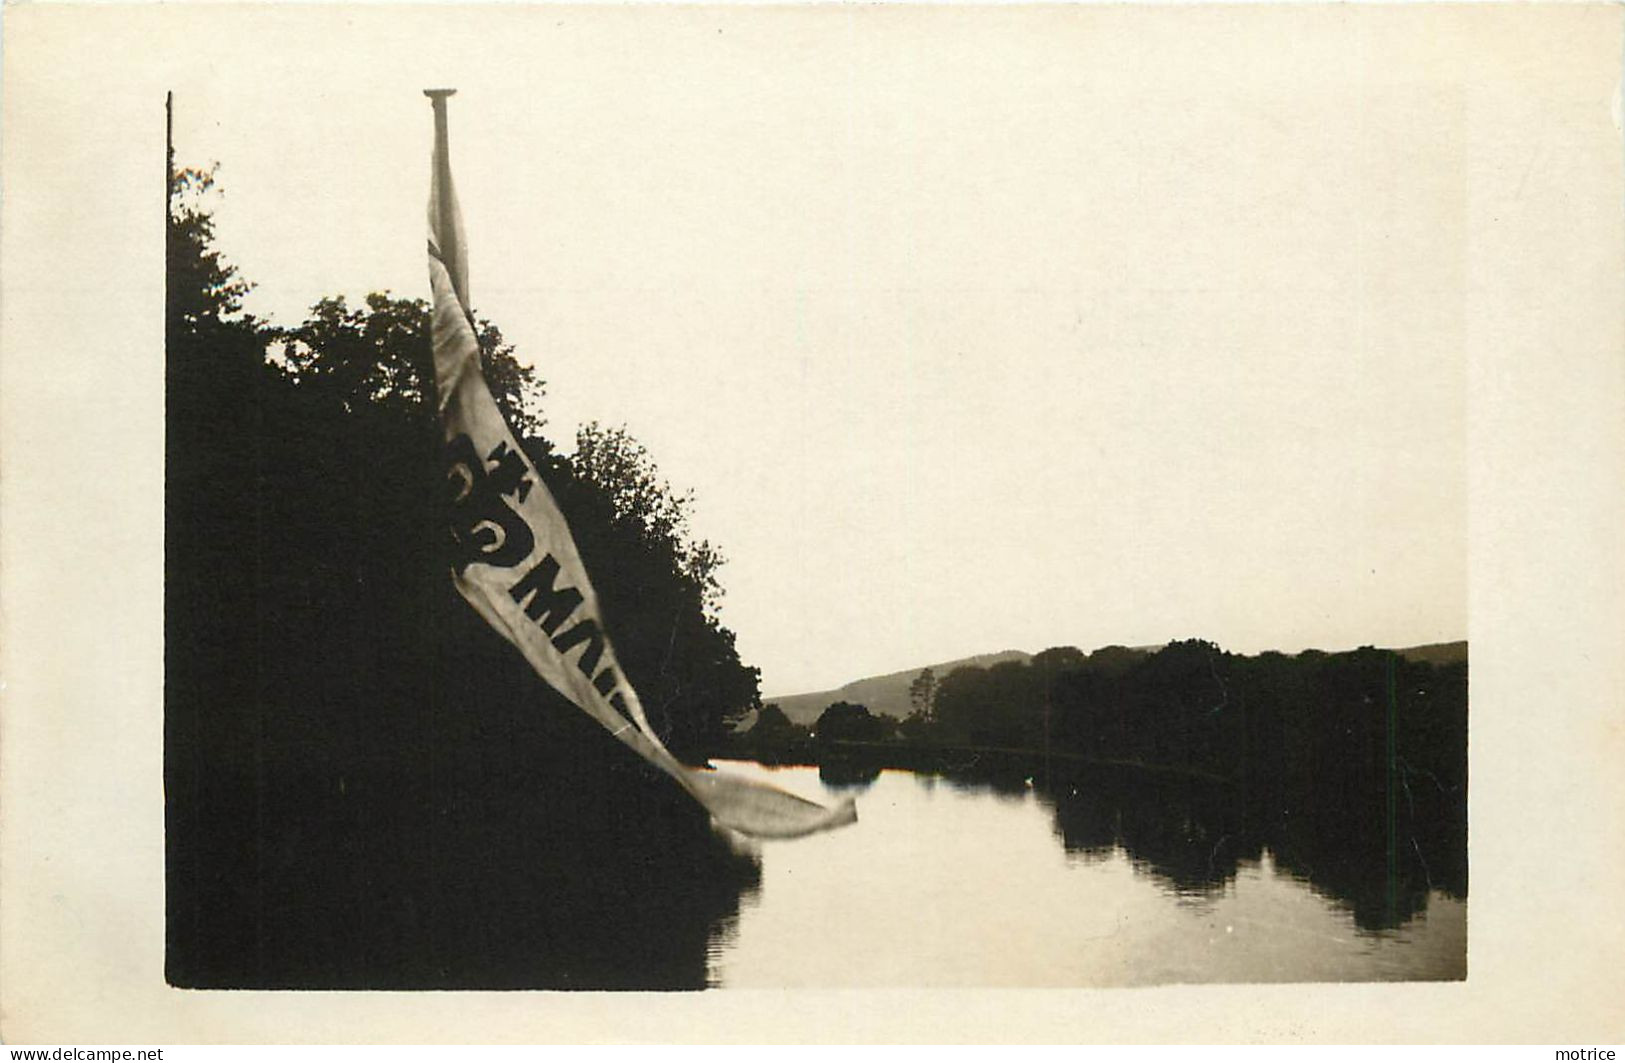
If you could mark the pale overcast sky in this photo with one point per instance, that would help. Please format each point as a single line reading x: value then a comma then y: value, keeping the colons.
x: 970, y: 331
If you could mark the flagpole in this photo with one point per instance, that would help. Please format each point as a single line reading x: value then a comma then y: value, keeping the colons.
x: 169, y: 151
x: 442, y: 155
x: 437, y: 97
x: 448, y: 233
x: 169, y: 219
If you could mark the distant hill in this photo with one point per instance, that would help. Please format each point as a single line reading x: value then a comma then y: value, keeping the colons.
x: 883, y: 694
x: 888, y: 694
x: 1436, y: 653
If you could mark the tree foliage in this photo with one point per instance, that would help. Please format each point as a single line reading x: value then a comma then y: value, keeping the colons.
x: 921, y: 691
x: 365, y: 785
x: 772, y: 726
x: 337, y: 415
x: 641, y: 500
x: 379, y: 356
x: 203, y: 289
x: 844, y: 721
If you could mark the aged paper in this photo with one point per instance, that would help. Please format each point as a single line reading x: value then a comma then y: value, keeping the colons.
x: 1529, y: 96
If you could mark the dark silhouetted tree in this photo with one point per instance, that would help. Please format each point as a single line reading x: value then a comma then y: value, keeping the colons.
x: 365, y: 785
x: 659, y: 589
x: 774, y: 728
x: 960, y: 700
x: 845, y: 722
x: 1057, y: 659
x: 921, y: 691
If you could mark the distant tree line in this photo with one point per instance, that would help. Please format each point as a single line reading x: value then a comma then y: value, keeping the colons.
x: 1188, y: 706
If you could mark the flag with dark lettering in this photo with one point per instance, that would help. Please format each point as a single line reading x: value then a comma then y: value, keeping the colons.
x: 516, y: 562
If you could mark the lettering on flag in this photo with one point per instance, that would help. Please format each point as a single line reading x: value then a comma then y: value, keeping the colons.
x: 484, y: 527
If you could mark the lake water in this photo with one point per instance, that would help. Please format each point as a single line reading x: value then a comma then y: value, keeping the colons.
x: 1092, y: 881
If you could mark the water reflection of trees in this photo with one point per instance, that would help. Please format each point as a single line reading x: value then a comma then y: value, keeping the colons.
x: 1193, y: 835
x: 998, y: 776
x: 848, y: 775
x: 490, y: 840
x: 1350, y: 767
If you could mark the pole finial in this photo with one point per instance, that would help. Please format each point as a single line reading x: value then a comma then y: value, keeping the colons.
x: 439, y: 95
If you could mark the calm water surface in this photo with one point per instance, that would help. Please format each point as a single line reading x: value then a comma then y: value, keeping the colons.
x: 953, y: 884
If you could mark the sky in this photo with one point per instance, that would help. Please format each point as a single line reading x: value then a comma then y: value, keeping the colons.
x: 968, y: 332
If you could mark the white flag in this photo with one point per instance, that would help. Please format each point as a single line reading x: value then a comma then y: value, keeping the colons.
x: 517, y: 563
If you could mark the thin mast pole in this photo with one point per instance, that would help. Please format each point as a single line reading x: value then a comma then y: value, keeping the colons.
x: 169, y: 151
x: 451, y: 254
x: 169, y: 204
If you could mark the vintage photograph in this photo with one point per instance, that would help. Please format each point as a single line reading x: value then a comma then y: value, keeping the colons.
x: 881, y: 522
x: 903, y: 524
x: 818, y: 498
